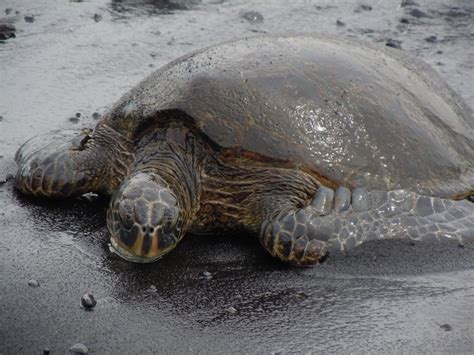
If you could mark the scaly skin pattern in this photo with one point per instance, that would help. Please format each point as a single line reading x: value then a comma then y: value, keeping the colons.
x: 171, y: 181
x: 341, y: 220
x: 64, y: 164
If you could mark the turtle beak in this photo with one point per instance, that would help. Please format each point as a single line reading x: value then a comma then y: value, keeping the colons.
x: 117, y: 249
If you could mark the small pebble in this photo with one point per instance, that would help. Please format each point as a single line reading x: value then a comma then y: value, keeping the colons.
x: 461, y: 246
x: 252, y: 16
x: 404, y: 20
x: 394, y: 43
x: 301, y: 294
x: 446, y: 327
x: 88, y: 301
x: 363, y: 8
x: 74, y: 119
x: 78, y: 114
x: 340, y: 23
x: 1, y: 118
x: 8, y: 10
x: 431, y: 39
x: 29, y: 19
x: 408, y: 3
x: 231, y: 310
x: 152, y: 288
x: 418, y: 13
x: 33, y: 283
x: 7, y: 30
x: 96, y: 115
x: 79, y: 349
x: 97, y: 17
x: 207, y: 274
x: 439, y: 52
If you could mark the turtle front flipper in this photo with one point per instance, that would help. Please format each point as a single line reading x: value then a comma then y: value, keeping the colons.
x: 343, y: 219
x: 68, y: 163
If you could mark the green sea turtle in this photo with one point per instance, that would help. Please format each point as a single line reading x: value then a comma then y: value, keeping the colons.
x: 311, y: 142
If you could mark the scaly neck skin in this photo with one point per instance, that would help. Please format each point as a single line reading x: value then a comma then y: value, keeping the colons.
x: 237, y: 196
x: 109, y: 157
x: 174, y: 153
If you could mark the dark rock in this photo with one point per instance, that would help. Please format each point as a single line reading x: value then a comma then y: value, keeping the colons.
x: 1, y: 118
x: 74, y: 119
x: 431, y: 39
x: 33, y: 283
x: 439, y: 52
x: 418, y: 13
x: 29, y: 19
x: 88, y: 301
x: 471, y: 198
x: 79, y: 349
x: 394, y: 43
x: 97, y: 17
x: 78, y: 114
x: 340, y: 23
x: 363, y: 7
x: 446, y: 327
x: 96, y: 115
x: 408, y: 3
x: 404, y: 20
x: 439, y: 63
x: 7, y: 30
x: 46, y: 351
x: 8, y: 10
x: 252, y: 16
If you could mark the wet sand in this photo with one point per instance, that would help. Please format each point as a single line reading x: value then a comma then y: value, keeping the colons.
x: 80, y: 57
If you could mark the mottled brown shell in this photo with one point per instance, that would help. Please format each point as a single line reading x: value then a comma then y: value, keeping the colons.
x: 360, y: 114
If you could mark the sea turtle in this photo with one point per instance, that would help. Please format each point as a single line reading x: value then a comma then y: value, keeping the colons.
x: 311, y: 142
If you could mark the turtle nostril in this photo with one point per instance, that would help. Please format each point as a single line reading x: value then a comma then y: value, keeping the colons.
x: 144, y: 229
x: 151, y: 230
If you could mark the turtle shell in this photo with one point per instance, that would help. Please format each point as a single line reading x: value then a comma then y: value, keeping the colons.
x: 357, y: 114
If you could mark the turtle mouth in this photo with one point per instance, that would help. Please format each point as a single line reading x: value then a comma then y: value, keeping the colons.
x: 122, y: 252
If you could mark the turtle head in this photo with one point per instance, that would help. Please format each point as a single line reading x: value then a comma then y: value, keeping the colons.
x: 144, y: 219
x: 49, y: 164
